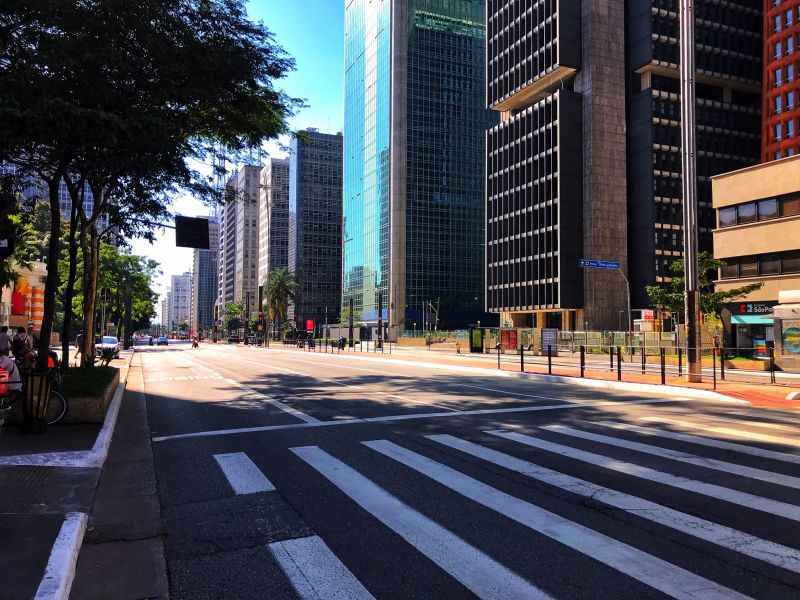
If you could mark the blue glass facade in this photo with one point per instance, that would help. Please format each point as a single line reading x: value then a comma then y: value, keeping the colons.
x: 415, y: 121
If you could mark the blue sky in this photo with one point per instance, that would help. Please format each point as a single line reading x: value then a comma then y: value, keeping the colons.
x: 312, y: 32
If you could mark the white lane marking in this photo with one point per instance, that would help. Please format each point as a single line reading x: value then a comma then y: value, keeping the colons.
x: 456, y: 384
x: 717, y: 492
x: 479, y: 573
x: 705, y: 441
x: 358, y: 389
x: 738, y: 433
x: 243, y: 474
x: 405, y: 417
x: 276, y: 403
x: 683, y: 457
x: 650, y: 570
x: 315, y: 572
x: 725, y: 537
x: 60, y: 570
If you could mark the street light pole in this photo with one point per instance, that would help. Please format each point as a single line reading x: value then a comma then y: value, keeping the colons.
x: 689, y: 189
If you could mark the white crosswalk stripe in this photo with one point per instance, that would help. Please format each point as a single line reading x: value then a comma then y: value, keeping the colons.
x: 315, y: 572
x: 683, y: 457
x: 243, y: 474
x: 478, y: 572
x: 725, y: 537
x: 743, y: 499
x: 737, y: 433
x: 655, y: 572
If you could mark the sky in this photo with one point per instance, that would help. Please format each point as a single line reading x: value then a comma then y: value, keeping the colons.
x: 312, y: 32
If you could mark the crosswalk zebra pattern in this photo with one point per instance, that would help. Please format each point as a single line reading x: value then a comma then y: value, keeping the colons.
x: 494, y: 470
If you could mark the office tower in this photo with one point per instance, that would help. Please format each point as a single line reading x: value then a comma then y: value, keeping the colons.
x: 414, y: 160
x: 556, y: 163
x: 315, y: 227
x: 273, y: 230
x: 204, y: 280
x: 238, y: 243
x: 781, y: 81
x: 728, y: 56
x: 166, y: 318
x: 180, y: 300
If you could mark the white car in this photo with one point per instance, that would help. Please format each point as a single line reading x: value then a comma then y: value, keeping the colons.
x: 107, y: 342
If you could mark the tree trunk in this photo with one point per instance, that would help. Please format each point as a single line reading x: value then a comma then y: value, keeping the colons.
x: 51, y: 282
x: 127, y: 342
x: 69, y: 290
x: 90, y: 261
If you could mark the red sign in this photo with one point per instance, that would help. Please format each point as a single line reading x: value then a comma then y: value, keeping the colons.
x: 309, y: 325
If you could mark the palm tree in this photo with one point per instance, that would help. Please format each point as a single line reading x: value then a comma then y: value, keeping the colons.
x: 281, y: 287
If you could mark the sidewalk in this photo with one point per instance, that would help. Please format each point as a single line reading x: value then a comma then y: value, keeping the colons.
x: 48, y: 484
x: 762, y: 395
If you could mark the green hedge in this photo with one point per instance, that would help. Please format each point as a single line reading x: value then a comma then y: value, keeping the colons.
x: 87, y: 382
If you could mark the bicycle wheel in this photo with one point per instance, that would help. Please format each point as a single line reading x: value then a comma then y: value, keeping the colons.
x: 57, y: 408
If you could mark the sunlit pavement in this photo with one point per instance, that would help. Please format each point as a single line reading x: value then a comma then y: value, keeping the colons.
x: 283, y: 472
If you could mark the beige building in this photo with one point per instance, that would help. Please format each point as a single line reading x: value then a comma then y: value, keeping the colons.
x: 757, y: 236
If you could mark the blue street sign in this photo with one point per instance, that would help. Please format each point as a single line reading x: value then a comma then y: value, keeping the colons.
x: 598, y: 264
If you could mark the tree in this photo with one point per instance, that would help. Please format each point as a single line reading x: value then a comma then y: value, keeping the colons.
x: 280, y: 290
x: 670, y: 296
x: 121, y: 94
x: 232, y: 319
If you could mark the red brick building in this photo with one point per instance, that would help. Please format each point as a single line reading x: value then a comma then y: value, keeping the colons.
x: 781, y: 111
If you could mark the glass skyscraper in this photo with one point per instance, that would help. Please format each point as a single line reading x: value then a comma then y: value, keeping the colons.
x: 415, y: 121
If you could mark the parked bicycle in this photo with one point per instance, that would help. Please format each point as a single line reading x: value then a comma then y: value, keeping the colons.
x: 12, y: 390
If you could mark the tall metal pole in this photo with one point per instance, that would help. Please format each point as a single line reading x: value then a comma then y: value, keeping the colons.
x: 689, y: 189
x: 350, y: 325
x: 380, y: 319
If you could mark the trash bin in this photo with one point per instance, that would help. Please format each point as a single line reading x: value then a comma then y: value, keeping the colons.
x: 35, y: 401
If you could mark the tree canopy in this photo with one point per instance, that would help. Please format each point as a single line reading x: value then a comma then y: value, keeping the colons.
x: 670, y: 296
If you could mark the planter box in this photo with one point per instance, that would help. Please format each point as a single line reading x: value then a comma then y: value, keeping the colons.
x: 82, y: 409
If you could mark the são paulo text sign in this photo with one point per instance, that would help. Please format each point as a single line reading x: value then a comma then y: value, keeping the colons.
x: 598, y: 264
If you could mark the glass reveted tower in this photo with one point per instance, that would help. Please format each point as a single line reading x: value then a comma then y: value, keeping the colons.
x: 415, y: 121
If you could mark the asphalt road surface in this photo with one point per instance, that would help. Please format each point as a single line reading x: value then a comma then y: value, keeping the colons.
x: 285, y: 474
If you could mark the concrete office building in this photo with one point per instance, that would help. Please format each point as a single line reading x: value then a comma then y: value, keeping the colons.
x: 273, y: 230
x: 556, y: 169
x: 728, y: 57
x: 757, y: 237
x: 180, y: 301
x: 238, y: 243
x: 315, y: 227
x: 781, y: 80
x: 414, y: 160
x: 166, y: 318
x: 204, y: 280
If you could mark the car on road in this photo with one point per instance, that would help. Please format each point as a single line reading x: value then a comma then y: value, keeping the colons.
x: 108, y: 343
x: 162, y: 341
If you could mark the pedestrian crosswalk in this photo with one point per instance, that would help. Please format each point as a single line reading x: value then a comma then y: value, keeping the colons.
x: 606, y: 496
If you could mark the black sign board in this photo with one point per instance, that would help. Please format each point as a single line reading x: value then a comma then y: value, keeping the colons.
x: 191, y: 232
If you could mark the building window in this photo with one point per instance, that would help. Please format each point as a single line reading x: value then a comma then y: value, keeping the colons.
x: 790, y: 207
x: 777, y: 52
x: 790, y: 72
x: 778, y: 131
x: 768, y: 209
x: 778, y: 103
x: 790, y: 100
x: 730, y: 269
x: 770, y: 264
x: 790, y: 262
x: 727, y: 216
x: 777, y: 23
x: 747, y: 212
x: 790, y: 128
x: 778, y: 77
x: 748, y: 266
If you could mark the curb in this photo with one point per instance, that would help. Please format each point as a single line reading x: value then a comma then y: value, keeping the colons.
x: 60, y: 570
x: 93, y: 458
x: 620, y: 386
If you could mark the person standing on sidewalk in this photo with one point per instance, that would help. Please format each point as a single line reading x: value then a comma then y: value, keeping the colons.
x: 5, y: 340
